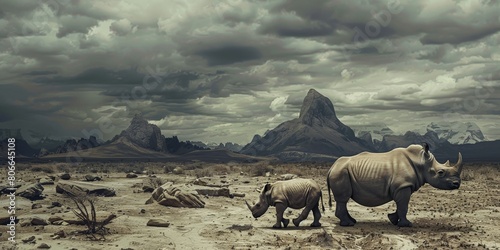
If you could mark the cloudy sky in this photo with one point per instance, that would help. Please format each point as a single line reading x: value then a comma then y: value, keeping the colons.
x: 221, y: 71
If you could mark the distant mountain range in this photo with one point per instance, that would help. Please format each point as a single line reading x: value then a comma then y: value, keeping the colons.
x: 316, y: 135
x: 319, y: 135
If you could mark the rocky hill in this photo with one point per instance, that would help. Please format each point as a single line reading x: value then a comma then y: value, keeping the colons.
x: 144, y: 134
x: 317, y: 131
x: 74, y: 145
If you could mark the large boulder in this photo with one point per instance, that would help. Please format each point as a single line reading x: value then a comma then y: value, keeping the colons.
x: 168, y: 195
x: 76, y: 187
x: 31, y: 192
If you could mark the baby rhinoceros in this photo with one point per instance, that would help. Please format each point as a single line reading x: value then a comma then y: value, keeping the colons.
x: 295, y: 193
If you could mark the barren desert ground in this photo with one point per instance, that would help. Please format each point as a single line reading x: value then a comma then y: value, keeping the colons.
x: 467, y: 218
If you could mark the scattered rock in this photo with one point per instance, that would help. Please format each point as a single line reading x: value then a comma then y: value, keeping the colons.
x: 43, y: 246
x: 178, y: 170
x: 5, y: 188
x: 214, y: 192
x: 131, y: 175
x: 238, y: 194
x: 240, y: 227
x: 5, y: 218
x: 37, y: 221
x: 36, y: 206
x: 30, y: 240
x: 287, y: 176
x: 65, y: 176
x: 268, y: 174
x: 143, y: 211
x: 147, y: 189
x: 168, y: 195
x: 204, y: 181
x: 88, y: 188
x: 59, y: 222
x: 31, y: 192
x: 158, y: 223
x: 46, y: 181
x: 92, y: 178
x: 55, y: 204
x: 54, y: 218
x: 58, y: 235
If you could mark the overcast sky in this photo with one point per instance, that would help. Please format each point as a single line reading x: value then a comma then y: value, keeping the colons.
x: 219, y: 71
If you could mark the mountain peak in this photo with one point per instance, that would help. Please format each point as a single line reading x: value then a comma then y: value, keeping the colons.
x: 144, y: 134
x: 317, y: 106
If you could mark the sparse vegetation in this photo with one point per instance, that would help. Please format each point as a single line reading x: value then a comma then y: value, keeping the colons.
x: 86, y: 211
x: 155, y: 182
x: 261, y: 169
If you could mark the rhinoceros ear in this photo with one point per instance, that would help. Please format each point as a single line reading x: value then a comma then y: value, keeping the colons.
x: 426, y: 147
x: 266, y: 188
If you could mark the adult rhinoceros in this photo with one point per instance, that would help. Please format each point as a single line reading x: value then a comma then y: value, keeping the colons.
x: 373, y: 179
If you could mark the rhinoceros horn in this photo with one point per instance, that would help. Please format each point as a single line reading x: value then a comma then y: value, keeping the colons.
x: 447, y: 163
x: 248, y: 205
x: 459, y: 164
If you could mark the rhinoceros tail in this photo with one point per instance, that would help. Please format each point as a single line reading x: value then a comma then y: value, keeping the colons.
x: 322, y: 205
x: 328, y: 185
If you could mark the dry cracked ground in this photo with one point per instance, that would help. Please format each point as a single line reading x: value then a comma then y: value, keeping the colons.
x: 467, y: 218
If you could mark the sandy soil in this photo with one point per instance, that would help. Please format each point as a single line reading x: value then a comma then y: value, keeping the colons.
x: 467, y: 218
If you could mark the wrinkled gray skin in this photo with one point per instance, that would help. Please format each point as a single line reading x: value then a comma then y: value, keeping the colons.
x: 373, y: 179
x: 296, y: 193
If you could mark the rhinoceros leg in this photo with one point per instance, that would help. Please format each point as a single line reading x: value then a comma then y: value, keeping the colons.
x: 394, y: 218
x: 285, y: 222
x: 302, y: 216
x: 344, y: 216
x: 317, y: 216
x: 342, y: 192
x: 280, y: 209
x: 402, y: 198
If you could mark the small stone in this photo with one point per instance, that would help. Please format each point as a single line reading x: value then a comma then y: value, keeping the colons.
x: 30, y: 239
x: 131, y: 175
x: 53, y: 219
x: 178, y: 170
x: 65, y: 176
x: 158, y: 223
x: 36, y: 206
x: 43, y: 246
x: 37, y: 221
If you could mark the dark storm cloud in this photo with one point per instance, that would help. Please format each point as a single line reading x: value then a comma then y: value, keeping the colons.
x: 97, y: 76
x: 229, y: 54
x: 228, y: 70
x: 294, y: 26
x: 75, y: 24
x: 459, y: 34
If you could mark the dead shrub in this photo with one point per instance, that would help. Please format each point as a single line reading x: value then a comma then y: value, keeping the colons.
x: 203, y: 172
x: 86, y: 211
x: 467, y: 176
x: 261, y: 170
x: 155, y: 182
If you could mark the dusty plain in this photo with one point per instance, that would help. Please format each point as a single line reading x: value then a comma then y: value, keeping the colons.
x: 467, y: 218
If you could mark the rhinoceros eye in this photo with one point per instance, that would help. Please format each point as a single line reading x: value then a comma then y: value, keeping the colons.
x: 441, y: 173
